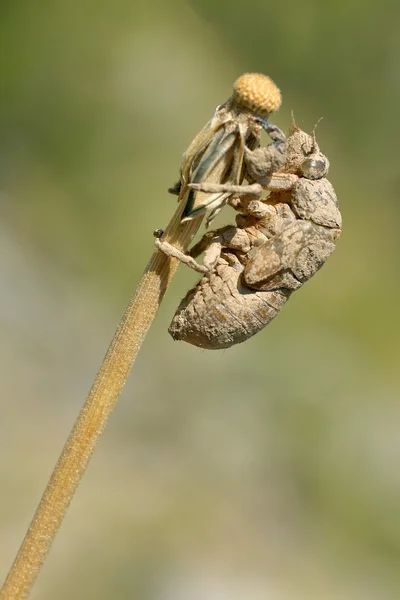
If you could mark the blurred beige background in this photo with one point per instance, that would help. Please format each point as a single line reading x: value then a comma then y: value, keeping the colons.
x: 268, y: 471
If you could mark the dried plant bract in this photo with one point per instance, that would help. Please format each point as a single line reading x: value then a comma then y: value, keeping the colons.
x: 218, y: 153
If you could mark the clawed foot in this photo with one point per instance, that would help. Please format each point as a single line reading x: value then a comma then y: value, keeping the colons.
x: 276, y: 134
x: 263, y: 162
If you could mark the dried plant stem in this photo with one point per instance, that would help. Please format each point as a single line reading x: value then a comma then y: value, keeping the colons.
x: 95, y: 412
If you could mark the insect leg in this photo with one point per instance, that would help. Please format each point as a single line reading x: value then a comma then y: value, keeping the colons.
x: 253, y: 208
x: 263, y: 162
x: 212, y: 255
x: 174, y: 252
x: 281, y: 182
x: 203, y: 244
x: 254, y: 189
x: 276, y: 134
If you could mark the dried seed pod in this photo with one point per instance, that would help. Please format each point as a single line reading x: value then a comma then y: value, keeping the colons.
x: 256, y: 93
x: 276, y: 246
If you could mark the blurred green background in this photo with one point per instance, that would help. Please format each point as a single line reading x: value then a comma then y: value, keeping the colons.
x: 267, y: 471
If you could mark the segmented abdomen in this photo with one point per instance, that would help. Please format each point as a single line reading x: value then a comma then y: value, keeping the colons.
x: 220, y: 311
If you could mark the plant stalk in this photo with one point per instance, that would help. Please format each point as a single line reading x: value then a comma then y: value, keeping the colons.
x: 97, y: 409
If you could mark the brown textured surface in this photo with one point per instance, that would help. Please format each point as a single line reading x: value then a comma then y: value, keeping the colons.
x: 220, y: 312
x: 277, y: 246
x: 257, y: 93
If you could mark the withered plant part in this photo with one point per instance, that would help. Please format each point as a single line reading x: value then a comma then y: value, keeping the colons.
x: 219, y: 151
x: 277, y: 245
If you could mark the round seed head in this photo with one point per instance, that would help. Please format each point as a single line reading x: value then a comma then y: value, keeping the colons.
x: 256, y: 93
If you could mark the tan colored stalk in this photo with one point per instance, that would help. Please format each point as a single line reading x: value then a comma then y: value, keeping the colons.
x: 252, y: 93
x: 96, y: 411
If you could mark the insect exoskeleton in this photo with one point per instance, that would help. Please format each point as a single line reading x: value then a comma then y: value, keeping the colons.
x: 222, y: 311
x: 276, y: 246
x: 217, y: 154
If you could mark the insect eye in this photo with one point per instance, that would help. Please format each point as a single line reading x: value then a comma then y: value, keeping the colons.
x: 315, y: 168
